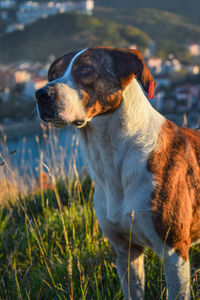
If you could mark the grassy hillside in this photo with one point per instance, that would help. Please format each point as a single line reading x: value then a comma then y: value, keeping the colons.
x: 189, y: 9
x: 170, y: 31
x: 61, y: 33
x: 51, y: 247
x: 57, y: 251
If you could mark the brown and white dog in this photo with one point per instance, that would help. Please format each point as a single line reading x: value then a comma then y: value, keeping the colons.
x: 140, y: 162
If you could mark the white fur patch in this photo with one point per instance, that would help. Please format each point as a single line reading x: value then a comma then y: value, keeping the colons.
x: 67, y: 76
x: 73, y: 108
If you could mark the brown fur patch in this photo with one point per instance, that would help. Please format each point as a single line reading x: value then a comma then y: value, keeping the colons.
x: 98, y: 108
x: 130, y: 63
x: 176, y: 199
x: 85, y: 97
x: 59, y: 66
x: 126, y: 81
x: 94, y: 109
x: 110, y: 70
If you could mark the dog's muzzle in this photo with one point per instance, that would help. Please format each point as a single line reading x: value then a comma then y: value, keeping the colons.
x: 47, y: 103
x: 50, y: 108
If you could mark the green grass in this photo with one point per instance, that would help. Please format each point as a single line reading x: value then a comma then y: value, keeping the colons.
x: 57, y: 251
x: 51, y: 247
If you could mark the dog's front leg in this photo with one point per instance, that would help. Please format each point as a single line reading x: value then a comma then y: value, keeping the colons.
x: 177, y: 275
x: 131, y: 272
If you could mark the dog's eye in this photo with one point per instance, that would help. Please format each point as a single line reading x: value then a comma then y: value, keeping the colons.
x: 86, y: 71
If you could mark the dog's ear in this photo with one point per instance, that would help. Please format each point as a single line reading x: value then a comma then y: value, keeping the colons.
x: 129, y: 63
x: 59, y: 66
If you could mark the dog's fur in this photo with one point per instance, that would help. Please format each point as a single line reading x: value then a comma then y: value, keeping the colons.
x: 145, y: 168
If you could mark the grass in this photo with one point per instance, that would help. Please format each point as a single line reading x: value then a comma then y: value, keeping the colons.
x: 51, y: 246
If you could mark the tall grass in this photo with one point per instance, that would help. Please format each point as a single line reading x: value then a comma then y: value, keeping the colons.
x: 51, y: 246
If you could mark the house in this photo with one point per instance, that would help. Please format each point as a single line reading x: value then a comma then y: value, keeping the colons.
x: 176, y: 65
x: 21, y: 76
x: 163, y: 80
x: 186, y: 96
x: 155, y: 64
x: 6, y: 4
x: 27, y: 75
x: 7, y: 9
x: 187, y: 88
x: 30, y: 11
x: 171, y: 65
x: 14, y: 27
x: 150, y: 51
x: 5, y: 94
x: 4, y: 78
x: 194, y: 49
x: 193, y: 69
x: 89, y: 7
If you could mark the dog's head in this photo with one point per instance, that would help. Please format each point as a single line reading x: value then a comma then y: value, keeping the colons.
x: 87, y: 83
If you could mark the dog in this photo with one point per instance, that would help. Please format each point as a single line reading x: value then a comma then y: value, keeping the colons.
x: 146, y: 169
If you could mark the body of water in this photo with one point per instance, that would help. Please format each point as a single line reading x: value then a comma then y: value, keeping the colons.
x: 56, y: 148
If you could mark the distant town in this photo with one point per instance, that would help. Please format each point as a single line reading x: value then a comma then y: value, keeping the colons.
x: 20, y: 80
x: 18, y: 15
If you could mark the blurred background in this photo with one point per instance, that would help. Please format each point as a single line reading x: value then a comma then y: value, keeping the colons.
x: 33, y: 34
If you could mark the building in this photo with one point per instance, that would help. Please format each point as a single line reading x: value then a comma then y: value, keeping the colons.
x: 6, y: 4
x: 13, y: 27
x: 7, y: 10
x: 194, y: 49
x: 31, y: 11
x: 155, y: 64
x: 89, y: 7
x: 186, y: 96
x: 21, y: 77
x: 163, y: 80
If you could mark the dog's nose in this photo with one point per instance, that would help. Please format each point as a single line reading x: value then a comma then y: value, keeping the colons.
x: 43, y: 95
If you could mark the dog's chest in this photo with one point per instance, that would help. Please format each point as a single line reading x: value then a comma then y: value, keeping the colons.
x: 130, y: 214
x: 123, y: 190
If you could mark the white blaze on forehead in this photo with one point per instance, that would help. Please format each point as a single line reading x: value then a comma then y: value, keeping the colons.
x: 73, y: 108
x: 67, y: 76
x: 68, y: 94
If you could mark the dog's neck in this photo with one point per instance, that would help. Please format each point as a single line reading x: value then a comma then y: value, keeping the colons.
x: 141, y: 121
x: 134, y: 120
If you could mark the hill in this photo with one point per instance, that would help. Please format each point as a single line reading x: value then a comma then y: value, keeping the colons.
x: 171, y: 31
x: 62, y: 33
x: 188, y: 9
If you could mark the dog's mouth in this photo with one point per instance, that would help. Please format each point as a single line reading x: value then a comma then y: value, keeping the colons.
x: 79, y: 123
x: 60, y: 123
x: 57, y: 122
